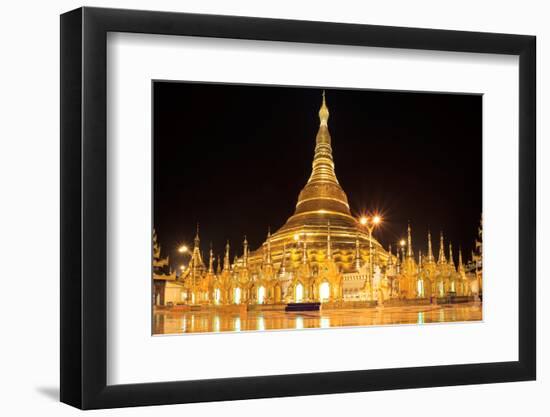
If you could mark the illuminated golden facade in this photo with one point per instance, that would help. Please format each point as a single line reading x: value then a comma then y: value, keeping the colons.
x: 322, y: 254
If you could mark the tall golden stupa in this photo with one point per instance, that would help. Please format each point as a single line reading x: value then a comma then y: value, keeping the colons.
x: 322, y: 215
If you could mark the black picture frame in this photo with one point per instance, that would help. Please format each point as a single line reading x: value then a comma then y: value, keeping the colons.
x: 84, y: 207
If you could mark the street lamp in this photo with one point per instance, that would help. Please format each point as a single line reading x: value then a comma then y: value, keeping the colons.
x: 370, y: 222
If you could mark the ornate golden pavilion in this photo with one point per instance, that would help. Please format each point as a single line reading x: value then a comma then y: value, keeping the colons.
x: 322, y: 253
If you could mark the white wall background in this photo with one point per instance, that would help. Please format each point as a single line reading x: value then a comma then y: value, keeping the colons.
x: 29, y: 209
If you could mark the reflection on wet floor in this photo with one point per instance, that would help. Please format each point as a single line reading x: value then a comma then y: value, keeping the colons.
x: 207, y: 321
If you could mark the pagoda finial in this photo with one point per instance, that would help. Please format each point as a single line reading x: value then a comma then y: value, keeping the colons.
x: 410, y: 253
x: 245, y: 251
x: 323, y: 112
x: 430, y: 255
x: 197, y: 239
x: 226, y: 261
x: 218, y: 265
x: 441, y: 259
x: 460, y: 264
x: 211, y: 260
x: 390, y: 258
x: 451, y: 261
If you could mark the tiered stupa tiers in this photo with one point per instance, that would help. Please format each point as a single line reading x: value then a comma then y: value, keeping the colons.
x: 321, y: 202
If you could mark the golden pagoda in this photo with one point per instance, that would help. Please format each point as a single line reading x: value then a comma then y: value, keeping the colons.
x: 322, y: 202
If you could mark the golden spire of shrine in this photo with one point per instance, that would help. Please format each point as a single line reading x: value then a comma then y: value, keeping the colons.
x: 441, y: 259
x: 245, y: 251
x: 211, y: 260
x: 322, y: 191
x: 197, y: 239
x: 460, y: 264
x: 451, y: 261
x: 430, y: 254
x: 226, y: 260
x: 410, y: 253
x: 196, y: 257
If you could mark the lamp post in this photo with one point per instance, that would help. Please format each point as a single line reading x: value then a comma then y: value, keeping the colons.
x: 370, y: 222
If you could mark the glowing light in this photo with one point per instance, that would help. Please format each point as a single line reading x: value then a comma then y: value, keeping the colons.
x: 402, y: 242
x: 364, y: 220
x: 261, y: 295
x: 420, y: 288
x: 183, y: 249
x: 324, y: 292
x: 376, y: 219
x: 261, y: 323
x: 182, y: 267
x: 296, y: 237
x: 299, y: 293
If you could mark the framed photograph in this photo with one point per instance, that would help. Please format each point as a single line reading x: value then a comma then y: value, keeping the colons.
x: 256, y: 208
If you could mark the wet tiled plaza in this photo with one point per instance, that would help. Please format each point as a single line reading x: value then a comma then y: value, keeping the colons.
x: 230, y: 320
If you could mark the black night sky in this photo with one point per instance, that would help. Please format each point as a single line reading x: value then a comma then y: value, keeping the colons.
x: 235, y: 157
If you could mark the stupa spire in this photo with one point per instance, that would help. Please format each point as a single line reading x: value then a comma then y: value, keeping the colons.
x: 226, y: 260
x: 197, y: 239
x: 430, y: 255
x: 460, y: 264
x: 410, y: 253
x: 441, y: 259
x: 211, y: 260
x: 245, y: 251
x: 322, y: 191
x: 451, y: 261
x: 323, y: 165
x: 196, y: 258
